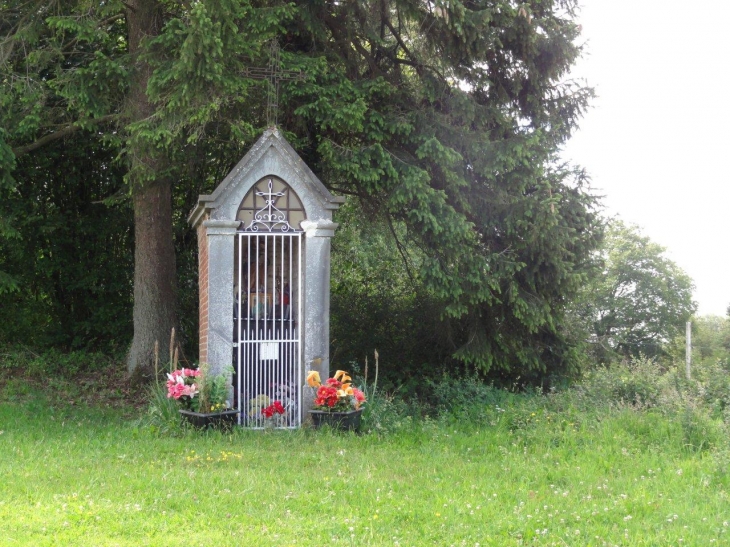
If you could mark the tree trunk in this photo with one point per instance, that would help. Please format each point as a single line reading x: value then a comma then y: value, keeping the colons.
x: 154, y: 274
x: 154, y: 251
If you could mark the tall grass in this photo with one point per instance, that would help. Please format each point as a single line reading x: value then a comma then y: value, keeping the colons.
x: 85, y: 477
x: 493, y: 468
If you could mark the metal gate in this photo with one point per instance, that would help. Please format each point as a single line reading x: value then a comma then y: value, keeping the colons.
x: 267, y: 332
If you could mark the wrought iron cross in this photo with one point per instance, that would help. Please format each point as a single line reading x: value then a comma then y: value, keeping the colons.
x: 274, y: 74
x: 269, y: 216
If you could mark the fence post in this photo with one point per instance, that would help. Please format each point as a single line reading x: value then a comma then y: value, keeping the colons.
x: 688, y: 349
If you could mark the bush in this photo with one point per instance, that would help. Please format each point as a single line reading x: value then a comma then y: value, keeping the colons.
x: 637, y: 384
x: 466, y: 398
x: 387, y: 413
x: 52, y: 362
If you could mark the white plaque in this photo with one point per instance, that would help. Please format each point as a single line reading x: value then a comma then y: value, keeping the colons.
x: 269, y: 351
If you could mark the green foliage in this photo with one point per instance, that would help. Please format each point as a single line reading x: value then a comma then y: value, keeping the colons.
x: 698, y: 404
x: 639, y: 302
x: 467, y: 399
x: 52, y: 362
x: 443, y: 120
x: 213, y: 390
x: 591, y: 460
x: 710, y: 340
x: 378, y: 301
x: 638, y: 383
x: 386, y: 413
x: 432, y: 485
x: 163, y: 416
x: 72, y: 260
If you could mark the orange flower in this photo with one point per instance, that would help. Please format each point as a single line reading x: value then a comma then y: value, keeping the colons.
x: 342, y: 376
x: 313, y: 379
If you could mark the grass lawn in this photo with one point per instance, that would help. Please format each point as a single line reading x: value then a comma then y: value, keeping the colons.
x: 81, y: 475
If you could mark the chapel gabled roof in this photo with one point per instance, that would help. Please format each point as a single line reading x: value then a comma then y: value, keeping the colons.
x: 271, y: 138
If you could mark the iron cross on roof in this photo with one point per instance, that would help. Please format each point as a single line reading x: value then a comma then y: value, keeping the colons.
x: 274, y: 74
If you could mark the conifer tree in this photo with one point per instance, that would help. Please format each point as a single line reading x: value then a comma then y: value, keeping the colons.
x: 446, y: 117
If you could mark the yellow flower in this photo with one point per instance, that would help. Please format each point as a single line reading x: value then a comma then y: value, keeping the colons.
x: 313, y: 379
x: 342, y: 376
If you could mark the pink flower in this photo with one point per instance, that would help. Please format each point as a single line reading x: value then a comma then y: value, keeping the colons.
x: 175, y: 390
x: 179, y: 383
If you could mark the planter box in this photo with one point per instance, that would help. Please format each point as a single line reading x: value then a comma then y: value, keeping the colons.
x: 212, y: 420
x: 344, y: 421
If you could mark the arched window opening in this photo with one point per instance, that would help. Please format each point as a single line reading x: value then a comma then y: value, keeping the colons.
x: 271, y: 206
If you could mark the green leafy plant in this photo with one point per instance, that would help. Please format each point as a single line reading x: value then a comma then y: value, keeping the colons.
x: 213, y: 389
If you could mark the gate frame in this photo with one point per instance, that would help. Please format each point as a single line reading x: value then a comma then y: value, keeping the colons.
x: 295, y: 338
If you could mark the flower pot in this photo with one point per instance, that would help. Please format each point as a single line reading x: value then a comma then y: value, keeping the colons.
x: 212, y: 420
x: 343, y: 421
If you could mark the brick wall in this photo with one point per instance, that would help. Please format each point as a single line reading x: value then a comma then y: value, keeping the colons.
x: 203, y: 291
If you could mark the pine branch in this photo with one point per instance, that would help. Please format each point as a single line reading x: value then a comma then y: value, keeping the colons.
x: 61, y: 133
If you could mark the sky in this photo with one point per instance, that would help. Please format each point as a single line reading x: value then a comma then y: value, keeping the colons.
x: 656, y: 140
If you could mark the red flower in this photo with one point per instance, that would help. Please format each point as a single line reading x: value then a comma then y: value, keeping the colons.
x: 275, y: 408
x: 326, y: 396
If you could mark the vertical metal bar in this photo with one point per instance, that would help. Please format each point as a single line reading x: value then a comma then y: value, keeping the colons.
x: 281, y: 291
x: 279, y: 350
x: 299, y: 318
x: 286, y: 380
x: 256, y: 280
x: 238, y: 326
x: 274, y: 364
x: 289, y: 354
x: 248, y: 370
x: 244, y: 390
x: 255, y: 350
x: 266, y: 364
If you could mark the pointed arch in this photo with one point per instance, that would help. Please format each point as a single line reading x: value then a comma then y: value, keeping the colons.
x: 271, y: 205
